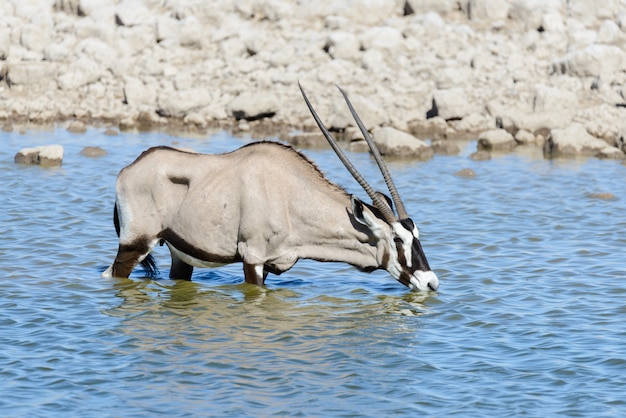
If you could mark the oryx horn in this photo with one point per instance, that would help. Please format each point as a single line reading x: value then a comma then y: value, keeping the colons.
x: 378, y: 201
x: 395, y: 196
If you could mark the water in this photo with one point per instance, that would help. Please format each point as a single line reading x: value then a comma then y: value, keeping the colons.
x: 529, y: 318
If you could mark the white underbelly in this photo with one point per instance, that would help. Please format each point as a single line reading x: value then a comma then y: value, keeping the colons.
x: 192, y: 261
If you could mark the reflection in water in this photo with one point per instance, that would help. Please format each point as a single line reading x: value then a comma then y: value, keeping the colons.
x: 266, y: 347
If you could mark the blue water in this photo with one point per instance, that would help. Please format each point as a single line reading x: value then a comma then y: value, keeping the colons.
x: 529, y: 318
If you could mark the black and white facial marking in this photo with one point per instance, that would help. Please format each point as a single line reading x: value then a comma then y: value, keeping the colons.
x: 402, y: 256
x: 410, y: 265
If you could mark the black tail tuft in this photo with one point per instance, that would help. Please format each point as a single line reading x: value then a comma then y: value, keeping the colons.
x: 149, y: 266
x: 116, y: 220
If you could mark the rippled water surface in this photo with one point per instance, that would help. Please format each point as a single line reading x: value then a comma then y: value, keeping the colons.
x: 529, y: 318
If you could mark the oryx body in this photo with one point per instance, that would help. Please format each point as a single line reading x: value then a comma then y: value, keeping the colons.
x: 265, y: 205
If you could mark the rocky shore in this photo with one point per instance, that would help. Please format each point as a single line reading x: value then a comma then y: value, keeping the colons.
x: 506, y: 72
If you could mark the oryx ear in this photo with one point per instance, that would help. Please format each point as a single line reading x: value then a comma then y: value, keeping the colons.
x: 361, y: 215
x: 387, y: 199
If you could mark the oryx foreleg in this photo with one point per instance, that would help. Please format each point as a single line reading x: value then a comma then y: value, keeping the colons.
x: 254, y: 273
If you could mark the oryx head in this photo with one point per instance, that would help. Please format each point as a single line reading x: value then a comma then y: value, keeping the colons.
x: 401, y: 253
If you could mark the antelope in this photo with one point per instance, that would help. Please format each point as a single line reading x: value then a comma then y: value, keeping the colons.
x: 265, y: 205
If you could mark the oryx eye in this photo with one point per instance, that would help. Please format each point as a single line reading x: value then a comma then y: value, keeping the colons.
x: 398, y: 240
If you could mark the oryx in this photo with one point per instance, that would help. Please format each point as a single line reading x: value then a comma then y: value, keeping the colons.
x: 265, y: 205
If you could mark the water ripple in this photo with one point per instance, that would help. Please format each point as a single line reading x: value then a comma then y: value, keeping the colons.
x: 528, y: 319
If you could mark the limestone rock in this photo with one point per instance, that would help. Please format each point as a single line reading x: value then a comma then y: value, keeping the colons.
x: 84, y: 71
x: 573, y: 141
x: 524, y: 137
x: 452, y: 103
x: 497, y: 140
x: 425, y: 6
x: 383, y: 38
x: 594, y: 60
x: 47, y: 155
x: 179, y: 103
x: 370, y: 112
x: 132, y: 13
x: 604, y: 121
x: 485, y: 9
x: 137, y: 93
x: 393, y: 142
x: 5, y: 43
x: 253, y: 106
x: 343, y: 45
x: 30, y: 73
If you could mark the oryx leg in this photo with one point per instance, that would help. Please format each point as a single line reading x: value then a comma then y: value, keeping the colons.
x: 254, y: 273
x: 180, y: 269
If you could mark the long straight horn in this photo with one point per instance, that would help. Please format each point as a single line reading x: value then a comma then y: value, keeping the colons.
x: 395, y: 196
x: 376, y: 199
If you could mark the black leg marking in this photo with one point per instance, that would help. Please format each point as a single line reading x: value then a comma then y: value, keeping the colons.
x: 128, y: 256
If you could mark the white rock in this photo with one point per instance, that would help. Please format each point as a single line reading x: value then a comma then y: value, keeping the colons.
x: 368, y: 109
x: 393, y: 142
x: 383, y: 38
x: 253, y: 106
x: 489, y: 10
x: 272, y: 10
x: 99, y: 51
x: 552, y: 22
x: 528, y: 12
x: 453, y: 103
x: 46, y: 155
x: 589, y: 10
x: 604, y: 121
x: 57, y: 52
x: 31, y: 73
x: 472, y: 123
x: 609, y: 33
x: 496, y: 139
x: 180, y: 103
x: 425, y: 6
x: 132, y: 13
x: 137, y: 93
x: 365, y: 12
x: 5, y: 42
x: 525, y: 137
x: 453, y: 76
x: 550, y: 99
x: 573, y: 141
x: 136, y: 39
x: 191, y: 32
x: 343, y: 45
x: 34, y: 37
x: 167, y: 29
x: 80, y: 73
x: 595, y: 60
x: 92, y: 7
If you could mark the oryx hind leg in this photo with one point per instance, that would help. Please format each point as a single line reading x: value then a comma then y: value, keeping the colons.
x: 180, y: 269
